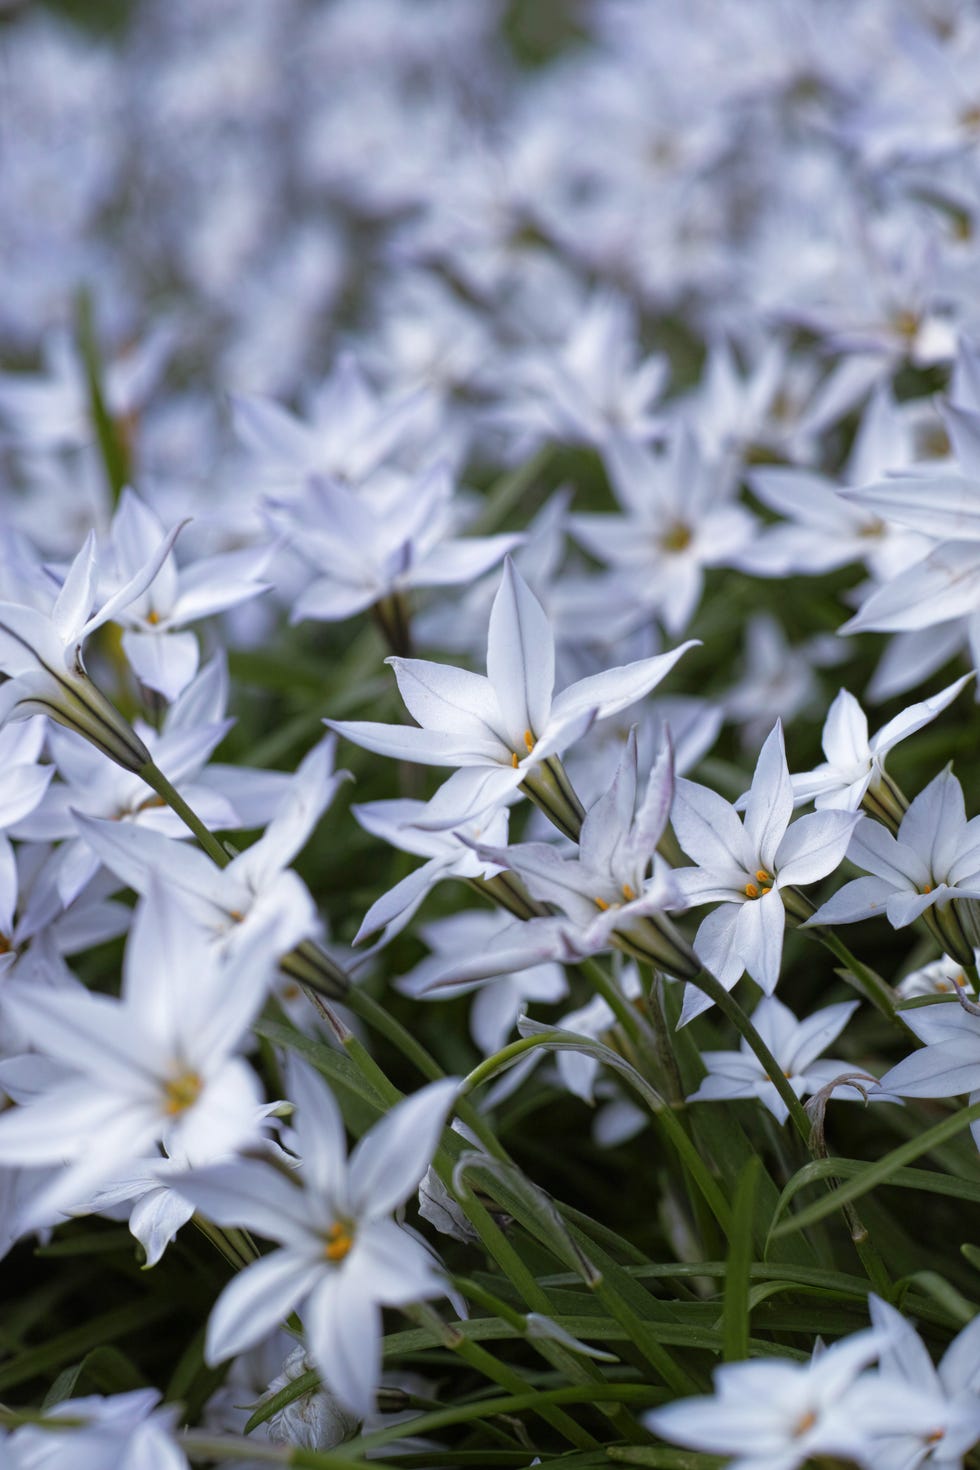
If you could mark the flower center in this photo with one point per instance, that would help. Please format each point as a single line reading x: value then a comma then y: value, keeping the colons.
x: 804, y: 1422
x: 677, y: 537
x: 338, y: 1241
x: 761, y: 887
x: 182, y: 1092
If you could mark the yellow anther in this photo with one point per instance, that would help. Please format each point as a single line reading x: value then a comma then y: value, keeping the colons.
x: 236, y: 915
x: 806, y: 1421
x: 182, y: 1092
x: 515, y: 762
x: 339, y: 1240
x: 628, y: 893
x: 600, y: 903
x: 751, y: 891
x: 529, y: 741
x: 763, y: 876
x: 153, y: 618
x: 764, y: 890
x: 927, y: 888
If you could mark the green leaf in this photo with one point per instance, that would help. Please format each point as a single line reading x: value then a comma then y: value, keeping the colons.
x: 34, y: 1362
x: 862, y: 1177
x: 735, y: 1319
x: 112, y: 446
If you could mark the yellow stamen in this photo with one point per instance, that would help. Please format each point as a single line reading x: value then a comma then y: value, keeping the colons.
x: 237, y: 915
x: 529, y: 741
x: 600, y: 903
x: 751, y: 891
x: 765, y: 890
x: 763, y: 876
x: 338, y: 1242
x: 806, y: 1421
x: 927, y: 888
x: 515, y: 762
x: 182, y: 1092
x: 628, y: 893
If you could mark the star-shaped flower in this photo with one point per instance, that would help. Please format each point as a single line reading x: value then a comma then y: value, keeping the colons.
x: 501, y: 728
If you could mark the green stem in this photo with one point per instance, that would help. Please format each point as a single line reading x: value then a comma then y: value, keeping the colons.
x: 155, y: 778
x: 870, y: 985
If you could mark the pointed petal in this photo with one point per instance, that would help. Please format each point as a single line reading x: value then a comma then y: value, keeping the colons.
x: 710, y: 832
x: 425, y: 747
x: 915, y: 717
x: 444, y: 698
x: 769, y: 804
x: 343, y: 1333
x: 616, y: 689
x: 250, y: 1196
x: 759, y: 938
x: 389, y: 1161
x: 814, y: 846
x: 77, y: 594
x: 320, y: 1134
x: 862, y: 898
x: 520, y: 656
x: 256, y: 1301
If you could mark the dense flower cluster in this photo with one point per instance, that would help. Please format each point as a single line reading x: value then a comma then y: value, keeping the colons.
x: 611, y: 372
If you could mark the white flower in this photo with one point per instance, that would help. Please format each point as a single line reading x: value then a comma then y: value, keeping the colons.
x: 616, y: 889
x: 257, y: 892
x: 162, y: 657
x: 948, y: 1063
x: 159, y: 1065
x: 773, y: 1414
x: 500, y: 728
x: 747, y: 867
x: 126, y: 1430
x: 679, y: 518
x: 365, y: 547
x: 946, y: 1395
x: 341, y: 1253
x: 855, y: 765
x: 794, y: 1044
x: 934, y: 859
x: 41, y: 655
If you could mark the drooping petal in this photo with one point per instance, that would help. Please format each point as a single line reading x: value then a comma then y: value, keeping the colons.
x: 256, y: 1301
x: 759, y: 932
x: 343, y: 1333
